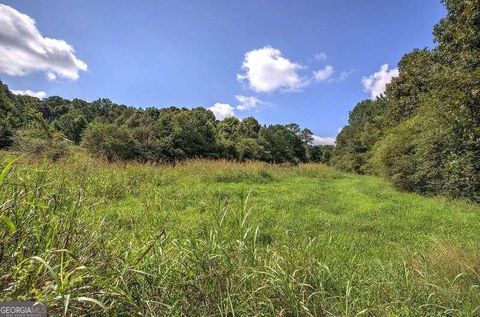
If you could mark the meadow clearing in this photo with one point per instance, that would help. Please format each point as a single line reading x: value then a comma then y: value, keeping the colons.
x: 219, y: 238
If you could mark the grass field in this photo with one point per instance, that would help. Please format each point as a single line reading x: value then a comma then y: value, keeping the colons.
x: 228, y: 239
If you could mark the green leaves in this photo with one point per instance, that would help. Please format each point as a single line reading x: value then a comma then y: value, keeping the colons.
x: 425, y: 134
x: 8, y: 223
x: 6, y: 170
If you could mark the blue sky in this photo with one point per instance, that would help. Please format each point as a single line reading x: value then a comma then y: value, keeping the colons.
x: 307, y: 62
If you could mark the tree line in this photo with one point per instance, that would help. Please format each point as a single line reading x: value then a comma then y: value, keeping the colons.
x: 163, y: 135
x: 424, y: 132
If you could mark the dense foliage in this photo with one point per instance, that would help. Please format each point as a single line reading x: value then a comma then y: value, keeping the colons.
x: 424, y: 132
x: 167, y: 135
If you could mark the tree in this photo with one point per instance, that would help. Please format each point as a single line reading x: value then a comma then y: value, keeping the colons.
x: 459, y: 31
x: 306, y: 136
x: 438, y: 149
x: 249, y: 128
x: 193, y: 133
x: 228, y: 137
x: 111, y: 141
x: 72, y: 124
x: 321, y: 153
x: 356, y: 140
x: 281, y: 145
x: 424, y: 135
x: 12, y: 116
x: 248, y: 149
x: 165, y: 135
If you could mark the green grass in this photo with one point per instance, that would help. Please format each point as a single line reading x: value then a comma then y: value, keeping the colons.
x: 227, y: 239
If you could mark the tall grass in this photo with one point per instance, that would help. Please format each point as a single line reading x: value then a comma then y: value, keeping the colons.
x: 91, y: 238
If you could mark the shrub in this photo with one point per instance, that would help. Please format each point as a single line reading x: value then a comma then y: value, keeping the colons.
x: 36, y: 139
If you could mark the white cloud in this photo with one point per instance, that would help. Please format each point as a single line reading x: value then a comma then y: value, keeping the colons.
x: 24, y: 50
x: 323, y: 74
x: 376, y: 84
x: 266, y: 70
x: 38, y: 94
x: 222, y: 110
x: 321, y: 56
x: 248, y: 102
x: 318, y: 140
x: 344, y: 75
x: 51, y: 76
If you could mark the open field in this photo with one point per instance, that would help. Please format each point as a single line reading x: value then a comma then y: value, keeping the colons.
x: 228, y: 239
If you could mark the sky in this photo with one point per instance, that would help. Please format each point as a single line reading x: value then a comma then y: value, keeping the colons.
x: 281, y: 61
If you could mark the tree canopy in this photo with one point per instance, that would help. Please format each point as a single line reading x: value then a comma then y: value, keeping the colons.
x: 164, y: 135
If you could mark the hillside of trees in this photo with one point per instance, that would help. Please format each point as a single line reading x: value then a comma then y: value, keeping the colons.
x: 163, y: 135
x: 424, y: 133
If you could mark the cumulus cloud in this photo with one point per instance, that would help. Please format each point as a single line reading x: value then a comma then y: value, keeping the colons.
x: 318, y: 140
x: 266, y: 70
x: 23, y: 49
x: 248, y: 102
x: 323, y: 74
x: 375, y: 84
x: 222, y: 110
x: 38, y: 94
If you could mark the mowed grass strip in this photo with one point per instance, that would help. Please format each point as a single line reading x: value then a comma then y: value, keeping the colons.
x: 218, y: 238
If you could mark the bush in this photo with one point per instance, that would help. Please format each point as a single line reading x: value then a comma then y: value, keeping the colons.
x: 37, y: 140
x: 394, y: 157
